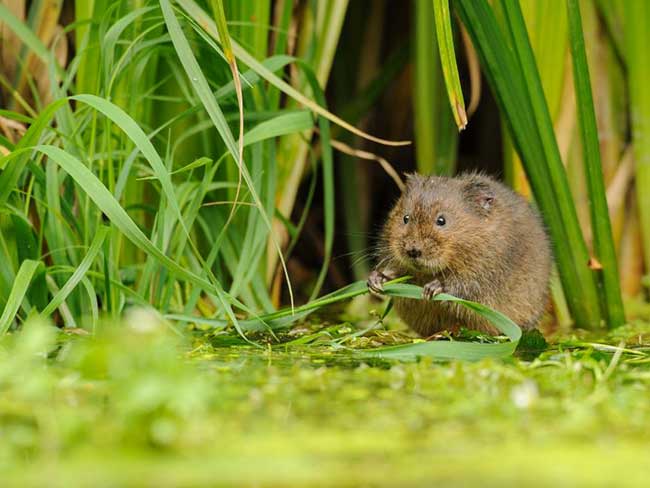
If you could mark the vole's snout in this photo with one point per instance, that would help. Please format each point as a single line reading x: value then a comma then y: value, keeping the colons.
x: 413, y: 252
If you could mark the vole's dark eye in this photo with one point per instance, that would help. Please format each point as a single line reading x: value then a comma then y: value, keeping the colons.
x: 407, y: 218
x: 440, y: 221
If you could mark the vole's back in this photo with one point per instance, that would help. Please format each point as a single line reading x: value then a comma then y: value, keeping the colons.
x: 491, y: 248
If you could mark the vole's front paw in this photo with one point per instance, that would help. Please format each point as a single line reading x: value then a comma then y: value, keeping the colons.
x: 432, y: 289
x: 376, y: 282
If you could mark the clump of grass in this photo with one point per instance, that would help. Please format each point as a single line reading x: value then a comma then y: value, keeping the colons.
x: 114, y: 148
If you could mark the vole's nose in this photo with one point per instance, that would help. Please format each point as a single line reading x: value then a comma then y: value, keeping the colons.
x: 413, y: 252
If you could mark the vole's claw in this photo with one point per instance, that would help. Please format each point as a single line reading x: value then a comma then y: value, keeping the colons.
x: 376, y: 282
x: 432, y: 289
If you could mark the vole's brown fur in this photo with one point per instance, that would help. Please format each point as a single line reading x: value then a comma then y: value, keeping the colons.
x: 490, y: 247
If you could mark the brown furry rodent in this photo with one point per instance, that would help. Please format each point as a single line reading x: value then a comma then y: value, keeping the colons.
x: 469, y: 236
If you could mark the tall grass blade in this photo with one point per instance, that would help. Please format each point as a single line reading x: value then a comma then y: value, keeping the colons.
x: 546, y: 23
x: 436, y: 136
x: 328, y: 182
x: 11, y: 174
x: 600, y: 223
x: 226, y: 45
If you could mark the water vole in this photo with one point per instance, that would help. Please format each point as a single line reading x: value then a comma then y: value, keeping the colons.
x: 469, y: 236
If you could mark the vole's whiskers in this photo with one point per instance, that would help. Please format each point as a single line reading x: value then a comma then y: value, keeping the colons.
x: 363, y: 258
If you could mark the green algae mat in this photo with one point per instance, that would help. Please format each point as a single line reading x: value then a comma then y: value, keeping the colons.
x: 142, y: 404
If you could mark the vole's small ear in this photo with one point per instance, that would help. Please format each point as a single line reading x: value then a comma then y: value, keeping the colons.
x: 411, y: 180
x: 480, y: 193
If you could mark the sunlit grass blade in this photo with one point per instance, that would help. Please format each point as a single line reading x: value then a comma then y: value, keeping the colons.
x: 445, y: 38
x: 467, y: 351
x: 515, y: 82
x: 87, y: 37
x: 600, y: 223
x: 435, y: 132
x: 19, y: 289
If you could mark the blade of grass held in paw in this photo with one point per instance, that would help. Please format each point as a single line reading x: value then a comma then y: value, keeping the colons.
x: 470, y: 351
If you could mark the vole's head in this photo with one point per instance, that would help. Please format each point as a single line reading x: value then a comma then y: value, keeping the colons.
x: 437, y: 223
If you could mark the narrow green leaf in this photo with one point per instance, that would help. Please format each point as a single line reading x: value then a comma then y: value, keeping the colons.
x: 289, y: 123
x: 226, y: 45
x: 222, y: 29
x: 468, y: 351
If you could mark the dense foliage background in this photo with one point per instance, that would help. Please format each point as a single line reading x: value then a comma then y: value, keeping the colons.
x: 374, y: 64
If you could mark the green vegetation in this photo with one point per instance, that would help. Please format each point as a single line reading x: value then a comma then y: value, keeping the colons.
x: 175, y: 285
x: 122, y: 407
